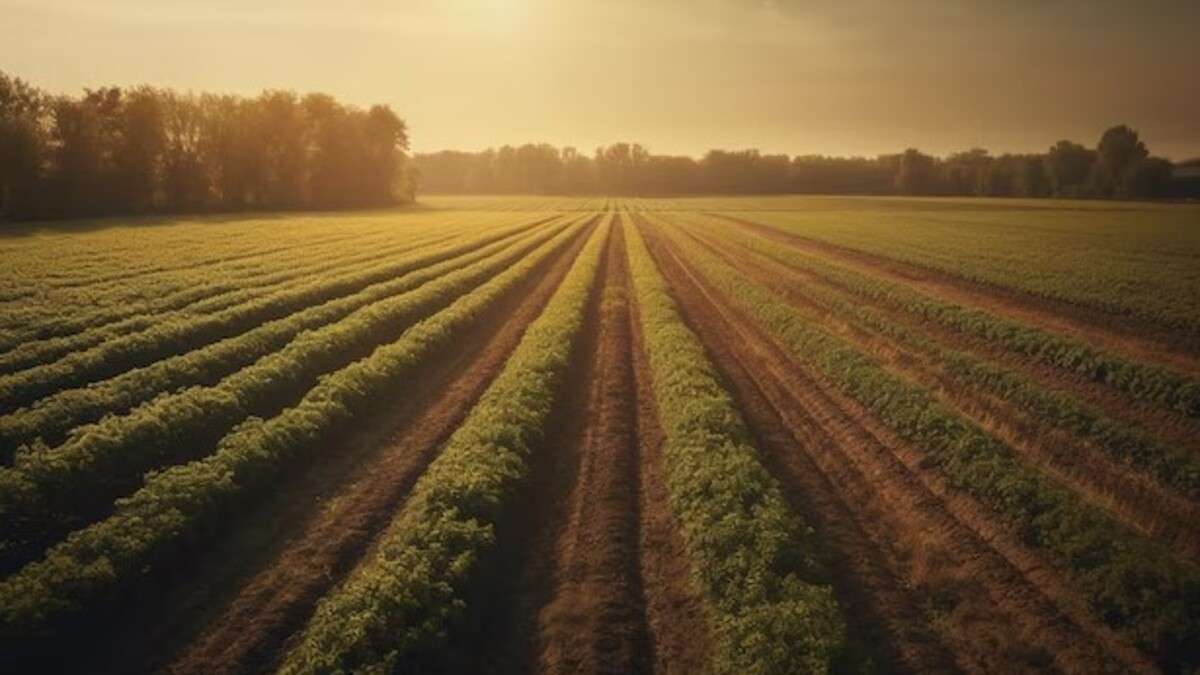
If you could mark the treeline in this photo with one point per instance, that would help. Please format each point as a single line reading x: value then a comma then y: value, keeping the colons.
x: 144, y: 149
x: 1119, y: 166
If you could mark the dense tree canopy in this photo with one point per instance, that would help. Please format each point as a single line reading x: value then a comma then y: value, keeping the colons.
x: 119, y: 150
x: 144, y: 149
x: 1119, y: 167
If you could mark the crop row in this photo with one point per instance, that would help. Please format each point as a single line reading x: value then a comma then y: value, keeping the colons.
x: 210, y: 291
x: 92, y: 263
x: 1123, y: 263
x: 103, y: 296
x: 130, y: 301
x: 169, y: 338
x: 752, y: 558
x: 46, y: 489
x: 404, y: 596
x: 1134, y: 584
x: 1173, y: 466
x: 114, y: 258
x: 53, y: 416
x: 1141, y: 381
x: 181, y: 505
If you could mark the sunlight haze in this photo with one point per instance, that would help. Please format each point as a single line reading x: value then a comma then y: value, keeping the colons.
x: 843, y: 78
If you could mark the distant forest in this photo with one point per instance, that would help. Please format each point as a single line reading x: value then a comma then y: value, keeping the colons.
x: 1119, y: 166
x: 144, y: 149
x: 150, y: 150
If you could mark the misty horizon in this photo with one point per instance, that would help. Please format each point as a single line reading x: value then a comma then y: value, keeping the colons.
x: 815, y: 78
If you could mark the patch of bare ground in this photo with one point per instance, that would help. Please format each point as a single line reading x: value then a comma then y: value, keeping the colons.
x: 594, y: 620
x: 934, y: 571
x: 590, y: 576
x: 1131, y: 496
x: 1134, y: 338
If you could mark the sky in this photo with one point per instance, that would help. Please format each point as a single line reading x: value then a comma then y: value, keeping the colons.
x: 838, y: 77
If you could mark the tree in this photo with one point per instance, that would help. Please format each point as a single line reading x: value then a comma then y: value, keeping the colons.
x: 1148, y: 178
x: 966, y: 173
x: 387, y: 143
x: 23, y: 120
x: 188, y: 173
x: 144, y: 149
x: 917, y: 174
x: 1030, y: 179
x: 280, y: 125
x: 618, y: 167
x: 139, y: 152
x: 1068, y: 165
x: 1119, y: 149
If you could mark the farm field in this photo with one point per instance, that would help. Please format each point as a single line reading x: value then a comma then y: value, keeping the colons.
x: 563, y: 435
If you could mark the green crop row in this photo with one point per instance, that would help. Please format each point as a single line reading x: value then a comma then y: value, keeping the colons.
x: 1135, y: 262
x: 206, y: 295
x: 129, y: 299
x: 404, y: 596
x: 1135, y: 585
x: 48, y: 489
x: 1173, y: 466
x: 72, y: 292
x: 171, y: 337
x: 54, y: 415
x: 182, y: 505
x: 1143, y: 382
x: 751, y: 557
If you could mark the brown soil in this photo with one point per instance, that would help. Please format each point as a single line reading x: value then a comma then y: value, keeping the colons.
x: 1130, y: 496
x: 594, y: 573
x: 252, y: 626
x: 594, y: 621
x: 1170, y: 426
x: 597, y: 619
x: 1133, y: 338
x: 928, y: 565
x: 675, y: 614
x: 32, y: 539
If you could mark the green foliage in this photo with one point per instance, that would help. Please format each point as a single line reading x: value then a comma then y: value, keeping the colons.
x: 54, y: 415
x: 1173, y: 466
x: 209, y: 291
x: 1136, y: 261
x: 170, y: 336
x: 406, y: 595
x: 1136, y: 585
x: 180, y: 505
x: 43, y: 489
x: 143, y: 149
x: 752, y: 559
x: 1150, y: 383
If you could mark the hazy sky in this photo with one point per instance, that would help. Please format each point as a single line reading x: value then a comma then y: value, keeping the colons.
x: 681, y: 76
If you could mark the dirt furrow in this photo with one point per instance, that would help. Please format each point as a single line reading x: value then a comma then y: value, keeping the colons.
x: 589, y: 574
x: 675, y: 614
x: 1169, y: 426
x: 252, y: 626
x: 1133, y: 338
x: 1129, y: 495
x: 996, y: 605
x: 594, y: 621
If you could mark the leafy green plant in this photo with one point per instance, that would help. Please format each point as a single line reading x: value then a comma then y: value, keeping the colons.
x: 407, y: 593
x: 752, y: 559
x: 178, y: 507
x: 1134, y: 584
